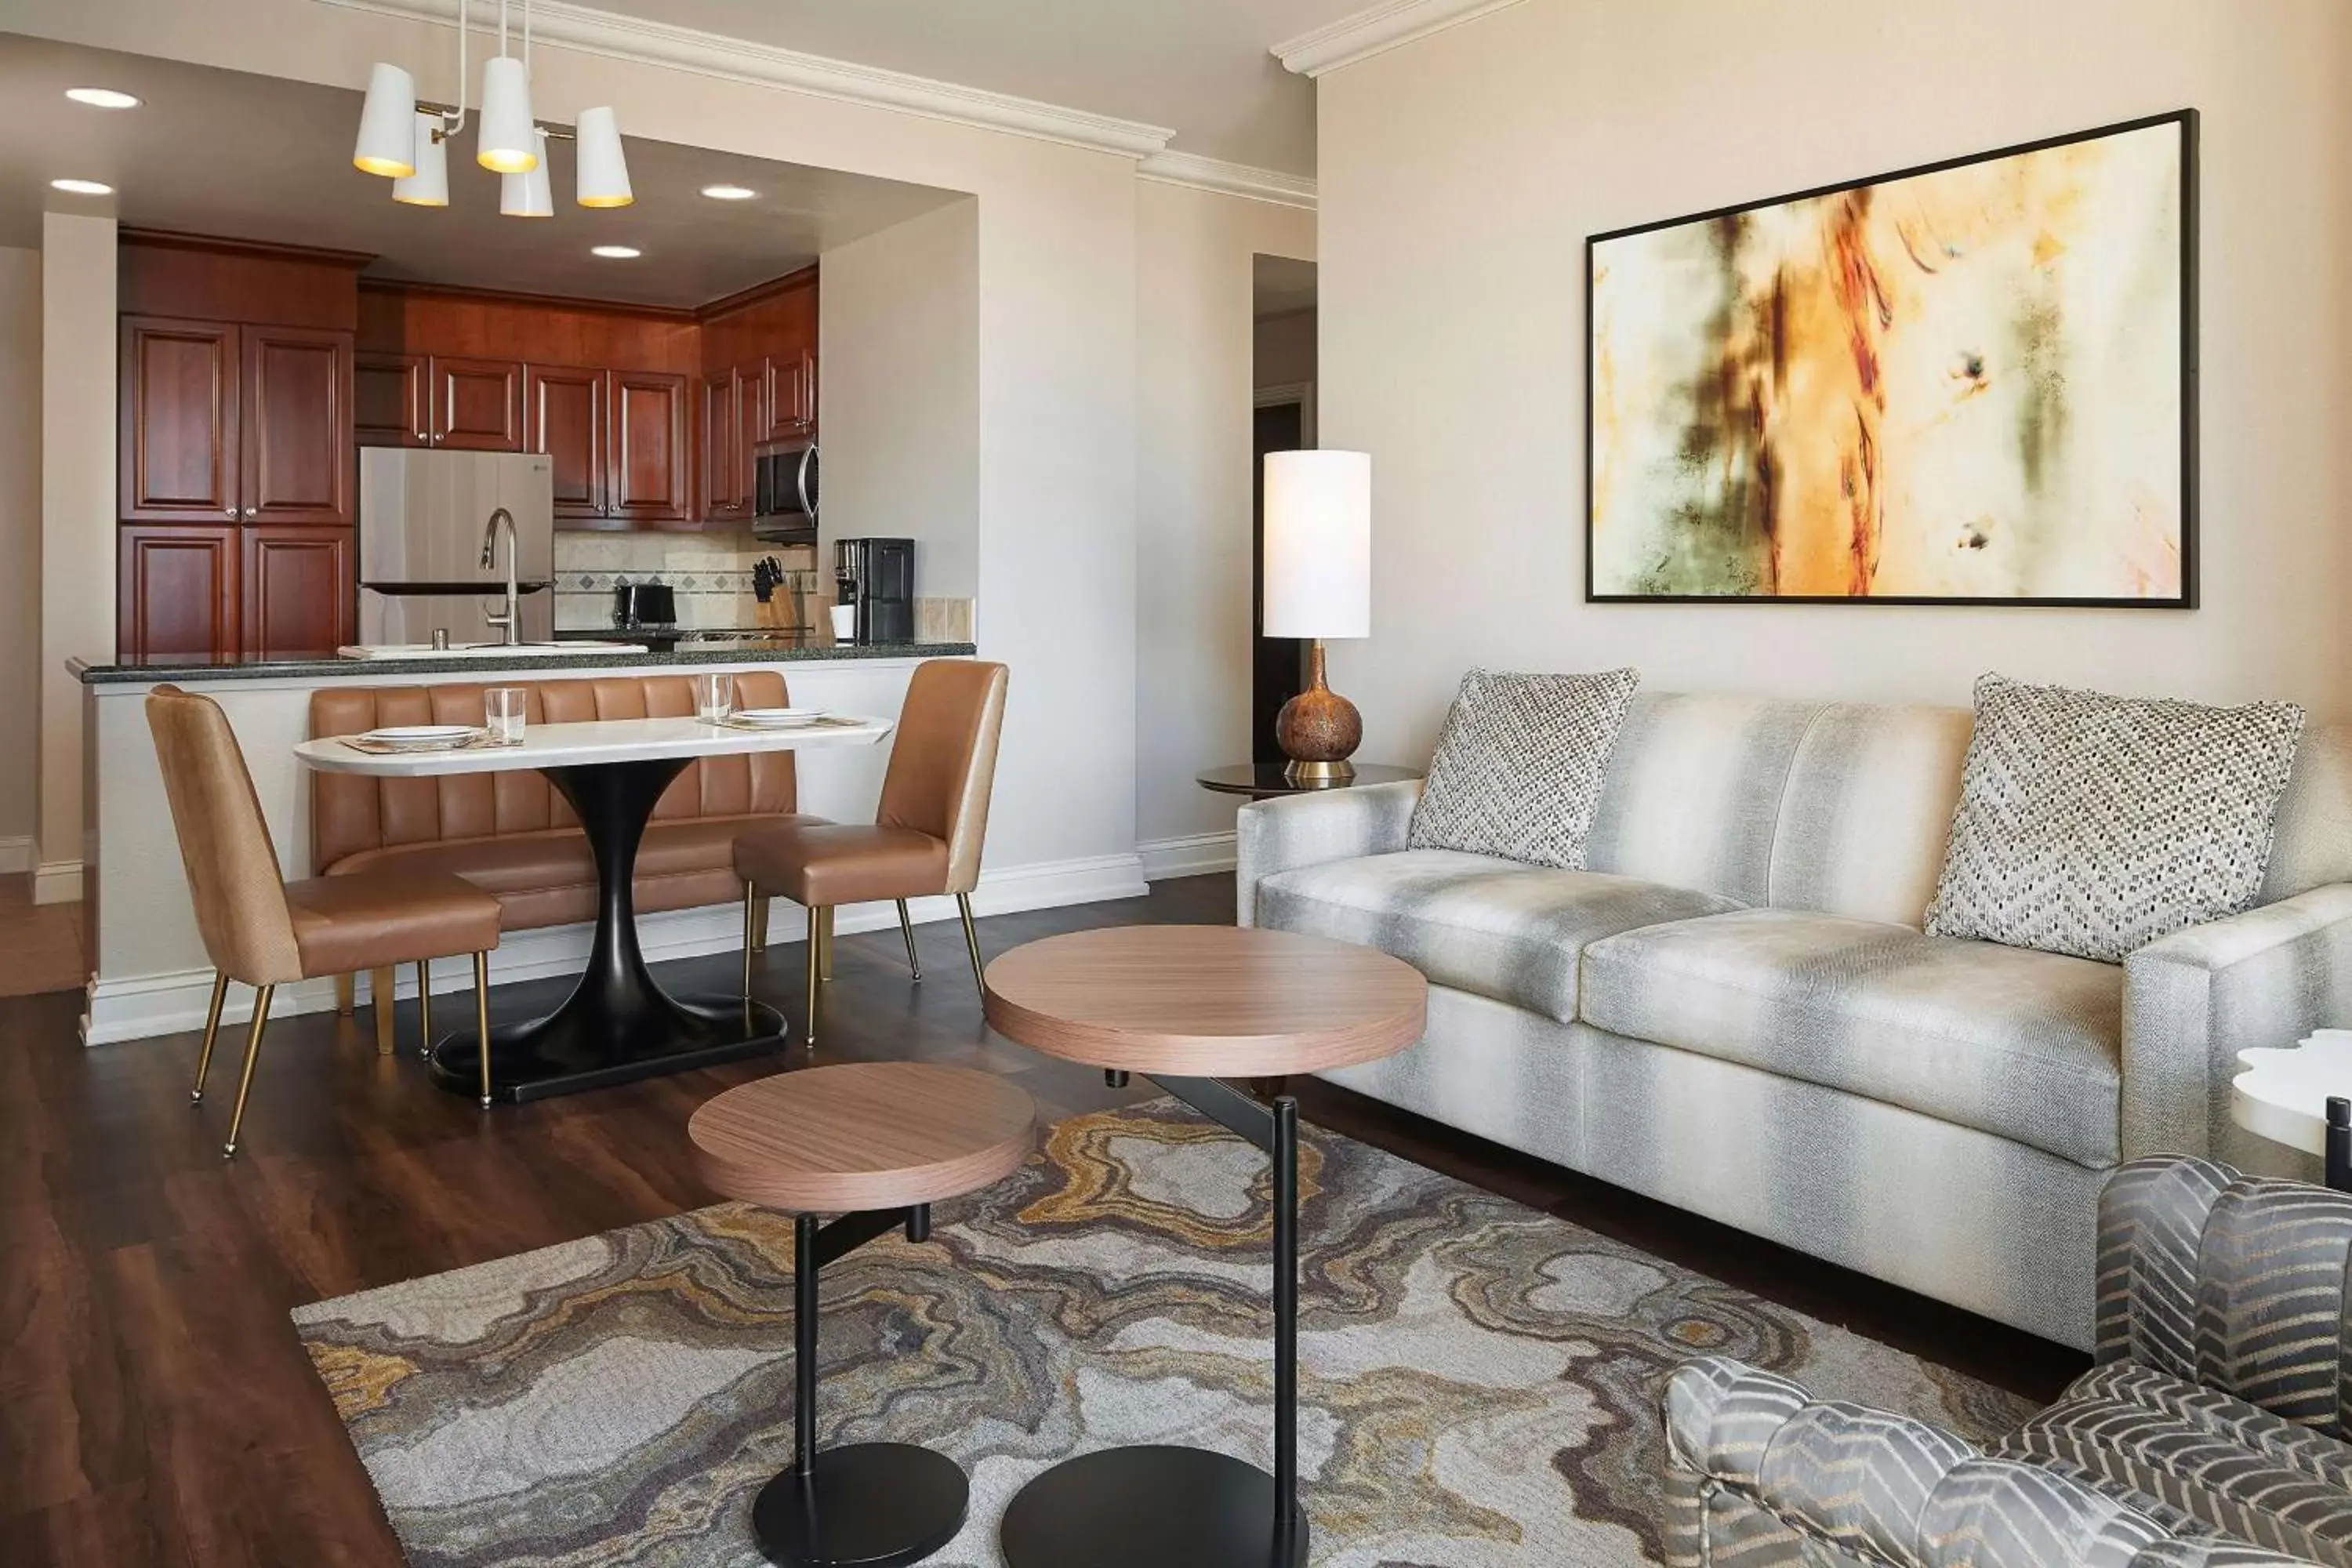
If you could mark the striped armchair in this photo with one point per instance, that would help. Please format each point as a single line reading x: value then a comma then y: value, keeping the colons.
x: 2211, y: 1434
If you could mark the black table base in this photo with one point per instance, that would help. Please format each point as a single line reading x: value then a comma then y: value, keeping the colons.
x: 1167, y: 1507
x: 617, y: 1025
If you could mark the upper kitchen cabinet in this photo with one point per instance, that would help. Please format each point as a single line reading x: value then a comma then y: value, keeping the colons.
x: 179, y: 408
x: 295, y: 414
x: 476, y: 404
x: 392, y: 400
x: 791, y: 387
x: 565, y: 418
x: 652, y: 450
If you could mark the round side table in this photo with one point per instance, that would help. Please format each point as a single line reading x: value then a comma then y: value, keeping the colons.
x: 1183, y: 1004
x: 1261, y: 780
x: 877, y: 1144
x: 2301, y: 1097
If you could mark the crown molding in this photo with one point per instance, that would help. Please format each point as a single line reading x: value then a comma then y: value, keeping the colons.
x: 1228, y: 179
x: 1376, y: 31
x: 556, y: 23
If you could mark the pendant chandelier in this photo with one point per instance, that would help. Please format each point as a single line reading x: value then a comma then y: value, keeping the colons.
x: 405, y: 138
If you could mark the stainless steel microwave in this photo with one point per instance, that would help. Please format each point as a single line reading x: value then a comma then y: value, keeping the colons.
x: 784, y: 493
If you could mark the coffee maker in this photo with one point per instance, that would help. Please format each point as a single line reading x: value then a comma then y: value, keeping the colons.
x: 876, y: 576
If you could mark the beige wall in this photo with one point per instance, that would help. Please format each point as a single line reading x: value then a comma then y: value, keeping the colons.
x: 1460, y: 174
x: 901, y: 397
x: 78, y: 519
x: 20, y: 555
x: 1285, y: 349
x: 1194, y: 339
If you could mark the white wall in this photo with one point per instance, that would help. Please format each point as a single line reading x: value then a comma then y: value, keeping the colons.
x: 20, y: 556
x: 1460, y: 174
x: 1194, y: 341
x: 77, y: 520
x: 899, y: 392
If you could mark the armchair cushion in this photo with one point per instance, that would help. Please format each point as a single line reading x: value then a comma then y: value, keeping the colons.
x: 1282, y: 835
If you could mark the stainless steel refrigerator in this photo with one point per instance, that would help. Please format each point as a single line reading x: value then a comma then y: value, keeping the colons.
x: 422, y: 516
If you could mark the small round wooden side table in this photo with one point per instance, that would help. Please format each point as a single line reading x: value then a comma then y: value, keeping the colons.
x: 1183, y: 1004
x: 877, y: 1144
x: 1260, y: 781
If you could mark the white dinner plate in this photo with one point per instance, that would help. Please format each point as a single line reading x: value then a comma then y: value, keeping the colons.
x: 780, y: 718
x: 421, y: 735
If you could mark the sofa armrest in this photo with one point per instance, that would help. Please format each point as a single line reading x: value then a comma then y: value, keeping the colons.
x: 1291, y: 831
x: 2193, y: 1000
x: 1760, y: 1473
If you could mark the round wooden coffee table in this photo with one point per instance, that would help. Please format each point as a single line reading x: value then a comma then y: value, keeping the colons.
x: 877, y: 1144
x: 1183, y: 1004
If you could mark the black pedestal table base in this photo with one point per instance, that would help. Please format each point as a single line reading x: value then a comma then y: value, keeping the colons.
x: 1167, y: 1507
x: 618, y: 1024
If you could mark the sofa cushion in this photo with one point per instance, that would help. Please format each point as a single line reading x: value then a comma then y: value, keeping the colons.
x: 2136, y: 1433
x: 2026, y: 1045
x: 1519, y: 765
x: 1498, y: 928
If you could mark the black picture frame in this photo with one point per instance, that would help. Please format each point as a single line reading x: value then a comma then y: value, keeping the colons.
x: 2187, y: 121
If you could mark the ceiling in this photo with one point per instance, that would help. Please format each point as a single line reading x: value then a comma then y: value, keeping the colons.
x: 252, y: 157
x: 1200, y: 65
x: 1279, y: 284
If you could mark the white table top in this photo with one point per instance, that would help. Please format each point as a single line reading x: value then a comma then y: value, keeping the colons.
x: 578, y: 745
x: 2283, y: 1095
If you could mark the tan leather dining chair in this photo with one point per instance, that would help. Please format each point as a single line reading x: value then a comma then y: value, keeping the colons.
x: 926, y: 835
x: 262, y: 931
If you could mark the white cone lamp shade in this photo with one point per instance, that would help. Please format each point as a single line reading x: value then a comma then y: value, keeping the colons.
x: 508, y: 145
x: 1319, y: 545
x: 429, y: 186
x: 602, y: 178
x: 388, y: 124
x: 528, y: 194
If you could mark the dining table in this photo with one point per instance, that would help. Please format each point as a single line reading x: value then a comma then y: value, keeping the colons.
x: 618, y: 1025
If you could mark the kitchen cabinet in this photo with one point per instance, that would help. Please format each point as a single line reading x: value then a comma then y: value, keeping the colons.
x: 652, y: 446
x: 725, y: 496
x: 298, y: 591
x: 564, y: 417
x: 177, y: 588
x: 750, y: 429
x: 179, y: 420
x: 391, y: 401
x: 478, y: 405
x: 295, y: 418
x: 790, y: 380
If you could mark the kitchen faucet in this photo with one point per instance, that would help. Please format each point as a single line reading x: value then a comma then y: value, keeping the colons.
x: 511, y: 623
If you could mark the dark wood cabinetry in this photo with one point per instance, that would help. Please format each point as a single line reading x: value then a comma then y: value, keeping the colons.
x: 564, y: 415
x: 477, y: 404
x: 295, y: 419
x: 298, y: 591
x: 179, y: 425
x: 390, y: 400
x: 719, y: 432
x: 790, y: 383
x: 652, y: 448
x: 177, y: 587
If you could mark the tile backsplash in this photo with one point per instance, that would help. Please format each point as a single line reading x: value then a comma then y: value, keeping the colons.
x: 710, y: 572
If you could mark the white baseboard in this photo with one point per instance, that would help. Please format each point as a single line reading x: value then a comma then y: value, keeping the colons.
x: 138, y: 1008
x: 16, y: 854
x: 57, y: 882
x: 1191, y: 855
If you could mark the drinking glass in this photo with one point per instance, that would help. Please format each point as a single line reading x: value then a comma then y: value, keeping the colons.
x: 503, y: 707
x: 714, y: 696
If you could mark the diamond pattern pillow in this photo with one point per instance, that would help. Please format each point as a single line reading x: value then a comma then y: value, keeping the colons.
x: 2092, y: 825
x: 1519, y: 765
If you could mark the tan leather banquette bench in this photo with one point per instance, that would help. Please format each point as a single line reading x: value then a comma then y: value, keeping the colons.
x: 511, y: 833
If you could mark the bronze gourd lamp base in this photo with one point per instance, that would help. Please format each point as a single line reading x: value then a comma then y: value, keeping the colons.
x: 1319, y: 729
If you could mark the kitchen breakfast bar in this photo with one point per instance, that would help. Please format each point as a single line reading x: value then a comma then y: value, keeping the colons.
x: 151, y: 975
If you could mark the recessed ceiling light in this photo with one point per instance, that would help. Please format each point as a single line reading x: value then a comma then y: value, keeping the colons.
x: 616, y: 252
x: 81, y: 187
x: 101, y: 98
x: 728, y: 193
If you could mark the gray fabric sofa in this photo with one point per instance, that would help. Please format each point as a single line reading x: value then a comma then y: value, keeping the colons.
x: 1733, y: 1009
x: 2210, y: 1432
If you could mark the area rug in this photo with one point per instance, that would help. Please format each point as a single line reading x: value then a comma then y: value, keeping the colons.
x: 1478, y: 1387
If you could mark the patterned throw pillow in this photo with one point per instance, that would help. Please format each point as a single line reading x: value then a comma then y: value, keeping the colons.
x: 1519, y: 765
x: 2092, y: 825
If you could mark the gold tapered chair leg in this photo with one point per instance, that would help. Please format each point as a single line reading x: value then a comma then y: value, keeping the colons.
x: 424, y: 1009
x: 261, y: 999
x: 907, y: 929
x: 826, y: 952
x: 380, y: 1000
x: 346, y: 995
x: 971, y: 937
x: 751, y: 924
x: 482, y: 1020
x: 212, y: 1031
x: 816, y: 936
x: 759, y: 918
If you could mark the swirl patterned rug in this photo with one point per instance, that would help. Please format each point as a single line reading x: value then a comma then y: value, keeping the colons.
x: 1478, y: 1385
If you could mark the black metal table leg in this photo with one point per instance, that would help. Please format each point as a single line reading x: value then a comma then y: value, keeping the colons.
x: 1160, y: 1506
x: 2340, y: 1143
x: 876, y: 1505
x: 618, y: 1025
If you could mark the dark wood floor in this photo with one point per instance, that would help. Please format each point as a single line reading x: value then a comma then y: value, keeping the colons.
x: 155, y: 1407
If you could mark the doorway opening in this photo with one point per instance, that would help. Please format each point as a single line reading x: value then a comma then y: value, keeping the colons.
x: 1282, y: 420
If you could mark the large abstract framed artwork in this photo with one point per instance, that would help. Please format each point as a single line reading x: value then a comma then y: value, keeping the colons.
x: 1968, y: 383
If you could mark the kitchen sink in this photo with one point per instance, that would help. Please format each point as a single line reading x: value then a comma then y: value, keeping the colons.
x: 486, y: 649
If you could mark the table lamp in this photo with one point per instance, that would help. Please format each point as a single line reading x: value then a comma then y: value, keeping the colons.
x: 1319, y: 585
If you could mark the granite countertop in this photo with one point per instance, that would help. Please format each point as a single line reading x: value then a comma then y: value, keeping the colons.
x: 780, y: 651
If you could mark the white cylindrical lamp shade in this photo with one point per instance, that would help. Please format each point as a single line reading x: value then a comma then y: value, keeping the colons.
x: 507, y: 144
x: 600, y: 173
x: 1319, y: 545
x: 429, y: 186
x: 387, y: 124
x: 528, y: 194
